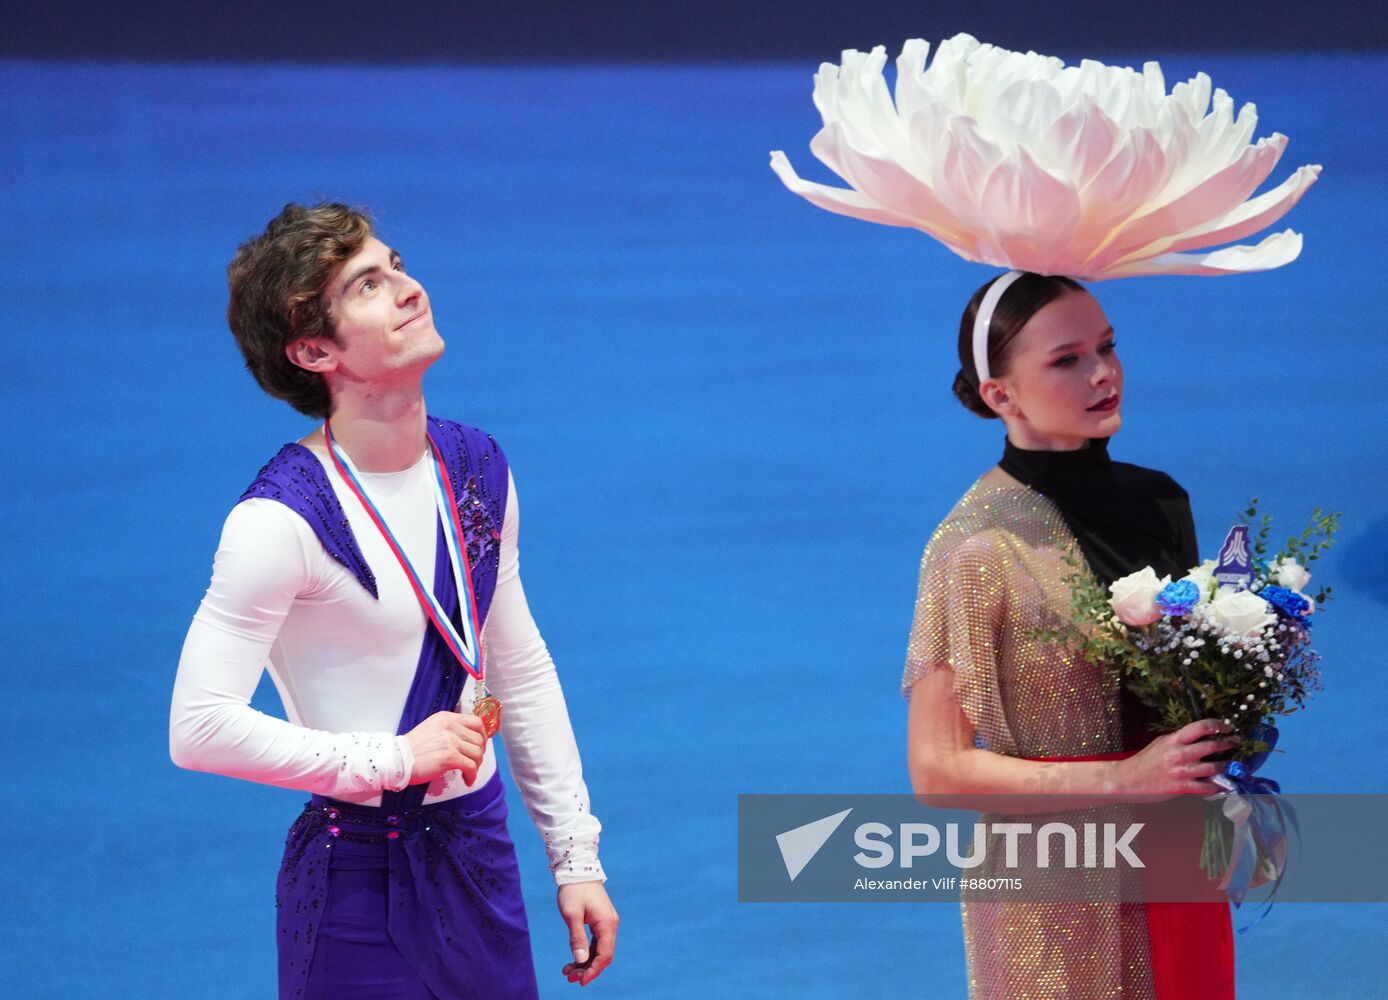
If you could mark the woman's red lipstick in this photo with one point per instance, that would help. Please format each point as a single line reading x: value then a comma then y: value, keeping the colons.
x: 1108, y: 404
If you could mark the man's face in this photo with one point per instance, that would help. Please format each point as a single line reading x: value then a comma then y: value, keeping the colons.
x: 384, y: 326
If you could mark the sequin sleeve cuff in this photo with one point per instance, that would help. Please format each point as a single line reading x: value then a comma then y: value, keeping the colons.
x: 580, y: 864
x: 399, y: 777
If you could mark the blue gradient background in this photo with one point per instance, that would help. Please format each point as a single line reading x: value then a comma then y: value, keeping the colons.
x: 729, y: 418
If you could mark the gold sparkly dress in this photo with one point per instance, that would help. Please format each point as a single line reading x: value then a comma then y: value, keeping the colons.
x: 992, y: 572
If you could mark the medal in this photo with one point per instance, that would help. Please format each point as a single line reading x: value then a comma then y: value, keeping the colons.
x: 465, y: 645
x: 488, y: 709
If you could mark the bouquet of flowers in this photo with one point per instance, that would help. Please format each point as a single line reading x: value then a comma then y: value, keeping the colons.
x: 1230, y: 640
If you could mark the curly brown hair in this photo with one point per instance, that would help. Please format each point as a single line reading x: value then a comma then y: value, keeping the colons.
x: 277, y: 281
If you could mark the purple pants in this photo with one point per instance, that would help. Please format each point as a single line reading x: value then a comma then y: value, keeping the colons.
x: 424, y: 904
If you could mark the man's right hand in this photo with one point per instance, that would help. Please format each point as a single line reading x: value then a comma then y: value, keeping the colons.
x: 447, y: 741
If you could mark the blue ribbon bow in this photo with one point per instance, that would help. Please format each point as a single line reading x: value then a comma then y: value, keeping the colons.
x: 1260, y: 817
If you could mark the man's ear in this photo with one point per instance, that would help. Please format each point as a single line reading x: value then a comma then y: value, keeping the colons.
x: 308, y: 353
x: 994, y: 393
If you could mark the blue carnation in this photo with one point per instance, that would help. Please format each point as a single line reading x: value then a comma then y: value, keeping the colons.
x: 1289, y: 602
x: 1177, y: 599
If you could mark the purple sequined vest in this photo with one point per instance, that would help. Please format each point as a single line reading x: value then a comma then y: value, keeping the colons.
x: 296, y: 478
x: 477, y: 468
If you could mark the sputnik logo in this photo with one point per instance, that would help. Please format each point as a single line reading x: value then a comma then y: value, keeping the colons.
x: 800, y: 845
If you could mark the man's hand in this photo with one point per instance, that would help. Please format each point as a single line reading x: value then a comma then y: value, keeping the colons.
x: 587, y: 903
x: 447, y: 741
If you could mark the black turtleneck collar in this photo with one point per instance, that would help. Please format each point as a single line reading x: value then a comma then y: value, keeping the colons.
x: 1090, y: 461
x: 1123, y: 516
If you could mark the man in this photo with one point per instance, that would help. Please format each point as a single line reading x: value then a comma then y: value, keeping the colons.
x: 373, y: 566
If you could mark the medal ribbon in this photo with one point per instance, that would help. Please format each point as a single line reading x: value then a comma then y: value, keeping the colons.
x: 464, y: 646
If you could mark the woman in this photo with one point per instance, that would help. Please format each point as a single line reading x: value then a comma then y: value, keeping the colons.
x: 994, y: 711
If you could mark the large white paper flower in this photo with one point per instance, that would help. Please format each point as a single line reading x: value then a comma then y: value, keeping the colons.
x: 1020, y: 161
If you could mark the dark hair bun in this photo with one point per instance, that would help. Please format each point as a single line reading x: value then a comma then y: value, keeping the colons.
x: 967, y: 394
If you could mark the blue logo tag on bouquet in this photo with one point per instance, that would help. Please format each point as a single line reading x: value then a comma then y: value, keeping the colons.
x: 1235, y: 567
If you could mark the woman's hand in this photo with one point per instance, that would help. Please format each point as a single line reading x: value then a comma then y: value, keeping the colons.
x: 1171, y: 764
x: 447, y: 741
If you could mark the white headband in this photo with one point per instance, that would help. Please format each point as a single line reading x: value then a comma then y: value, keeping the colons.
x: 984, y: 319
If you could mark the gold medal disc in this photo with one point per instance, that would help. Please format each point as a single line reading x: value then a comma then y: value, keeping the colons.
x: 488, y: 709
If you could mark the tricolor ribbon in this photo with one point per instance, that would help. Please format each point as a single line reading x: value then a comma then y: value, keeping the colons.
x: 1260, y: 819
x: 464, y: 645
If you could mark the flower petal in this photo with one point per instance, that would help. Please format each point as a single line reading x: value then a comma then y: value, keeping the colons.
x: 912, y: 93
x: 1029, y: 106
x: 1079, y: 142
x: 1033, y: 213
x: 1126, y: 183
x: 1248, y: 218
x: 865, y: 106
x: 1193, y: 96
x: 969, y: 157
x: 886, y: 182
x: 1211, y: 199
x: 928, y: 133
x: 1275, y: 251
x: 840, y: 201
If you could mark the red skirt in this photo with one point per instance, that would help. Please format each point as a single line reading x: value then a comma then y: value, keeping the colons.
x: 1191, y: 944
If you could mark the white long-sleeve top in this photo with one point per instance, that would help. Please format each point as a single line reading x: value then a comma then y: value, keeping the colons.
x: 343, y: 663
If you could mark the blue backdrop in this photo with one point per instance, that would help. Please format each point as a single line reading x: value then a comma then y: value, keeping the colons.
x: 729, y: 419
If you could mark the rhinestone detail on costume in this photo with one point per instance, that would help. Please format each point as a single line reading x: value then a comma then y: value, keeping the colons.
x: 992, y: 573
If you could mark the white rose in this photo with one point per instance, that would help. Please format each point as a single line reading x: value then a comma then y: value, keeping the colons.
x: 1241, y: 612
x: 1289, y: 573
x: 1203, y: 577
x: 1134, y: 598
